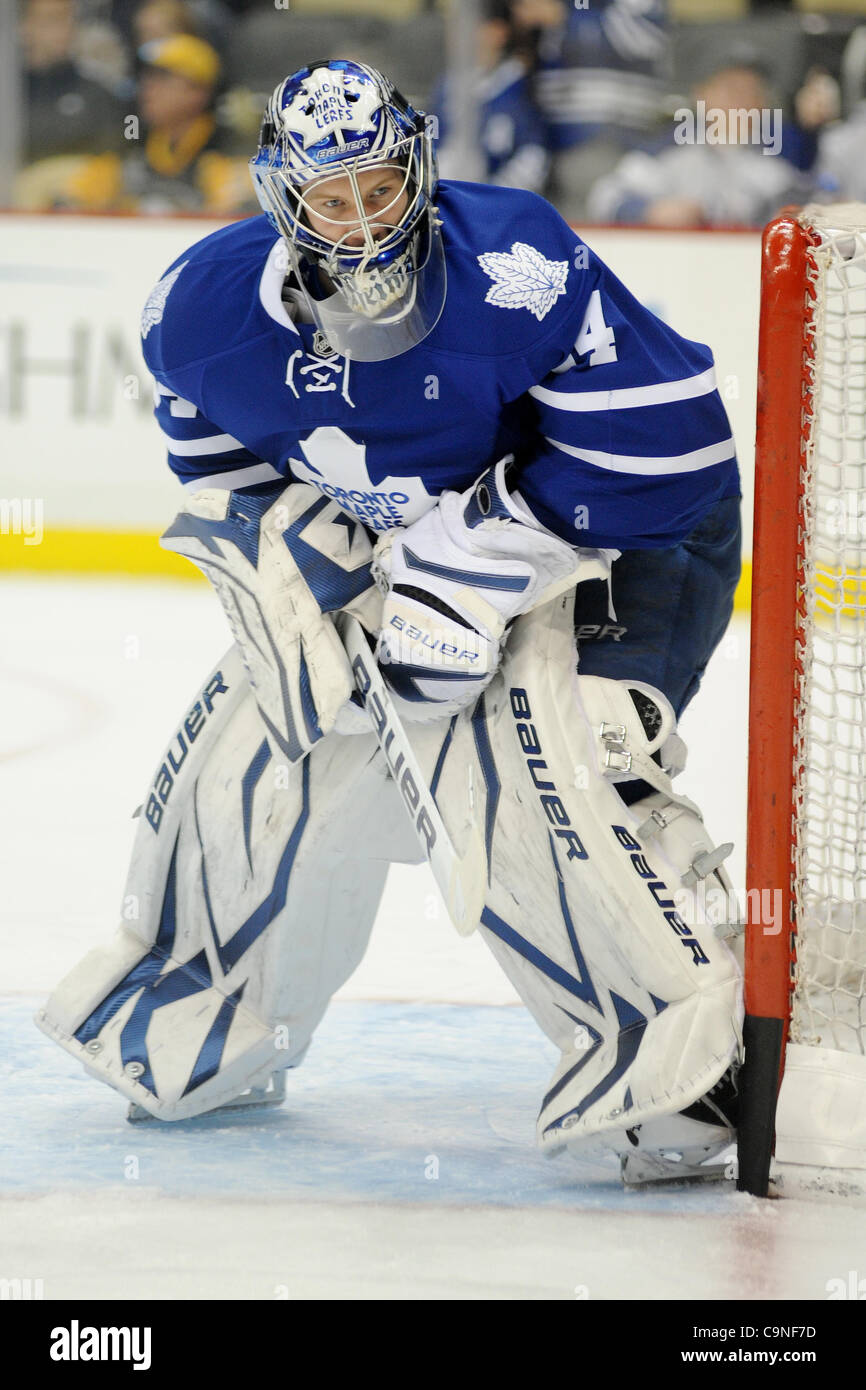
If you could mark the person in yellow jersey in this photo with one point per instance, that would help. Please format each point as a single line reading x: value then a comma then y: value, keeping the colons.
x: 176, y: 160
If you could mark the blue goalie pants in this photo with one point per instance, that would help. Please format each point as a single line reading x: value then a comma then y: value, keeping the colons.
x: 672, y: 608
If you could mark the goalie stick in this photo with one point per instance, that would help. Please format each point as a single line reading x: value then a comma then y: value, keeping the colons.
x: 461, y: 879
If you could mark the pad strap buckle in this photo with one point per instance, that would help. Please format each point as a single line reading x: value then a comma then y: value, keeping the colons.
x: 616, y: 755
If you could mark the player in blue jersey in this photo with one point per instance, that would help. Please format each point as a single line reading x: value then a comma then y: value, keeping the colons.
x: 440, y: 388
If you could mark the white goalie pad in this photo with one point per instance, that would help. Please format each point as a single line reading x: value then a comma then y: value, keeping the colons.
x: 252, y: 890
x: 281, y: 561
x: 582, y: 907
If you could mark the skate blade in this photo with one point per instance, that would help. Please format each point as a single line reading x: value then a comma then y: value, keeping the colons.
x: 254, y: 1098
x: 640, y: 1170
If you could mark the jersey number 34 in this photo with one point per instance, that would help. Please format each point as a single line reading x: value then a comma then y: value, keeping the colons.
x: 595, y: 337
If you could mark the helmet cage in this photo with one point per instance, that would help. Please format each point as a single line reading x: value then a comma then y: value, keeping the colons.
x: 284, y: 172
x: 288, y: 202
x: 377, y: 279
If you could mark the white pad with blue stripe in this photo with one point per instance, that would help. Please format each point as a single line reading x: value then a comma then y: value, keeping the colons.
x: 253, y: 885
x: 255, y: 882
x: 282, y: 559
x: 584, y: 893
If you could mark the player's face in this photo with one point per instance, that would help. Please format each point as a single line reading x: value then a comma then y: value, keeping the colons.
x: 332, y: 208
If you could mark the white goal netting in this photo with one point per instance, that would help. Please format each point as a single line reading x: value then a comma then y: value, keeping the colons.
x: 829, y: 1002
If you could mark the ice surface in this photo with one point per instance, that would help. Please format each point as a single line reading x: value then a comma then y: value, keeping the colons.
x: 402, y: 1163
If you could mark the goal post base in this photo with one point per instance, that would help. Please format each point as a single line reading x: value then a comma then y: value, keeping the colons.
x: 763, y: 1039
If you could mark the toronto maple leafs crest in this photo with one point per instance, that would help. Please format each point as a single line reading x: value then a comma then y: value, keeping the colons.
x: 523, y: 279
x: 329, y: 103
x: 338, y: 466
x: 154, y: 309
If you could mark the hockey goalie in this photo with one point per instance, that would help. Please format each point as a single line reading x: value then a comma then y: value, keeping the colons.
x: 426, y: 412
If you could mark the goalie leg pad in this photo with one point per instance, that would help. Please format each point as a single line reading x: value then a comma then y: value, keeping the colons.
x: 580, y: 910
x: 250, y: 898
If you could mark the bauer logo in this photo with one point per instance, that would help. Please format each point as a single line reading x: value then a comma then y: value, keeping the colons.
x: 418, y: 645
x: 77, y: 1343
x: 164, y: 781
x: 551, y: 802
x: 659, y: 891
x: 396, y: 760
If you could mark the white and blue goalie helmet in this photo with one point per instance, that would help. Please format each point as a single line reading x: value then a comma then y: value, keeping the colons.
x: 372, y: 272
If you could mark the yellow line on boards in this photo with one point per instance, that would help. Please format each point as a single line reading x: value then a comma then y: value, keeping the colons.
x: 135, y: 553
x: 743, y: 594
x: 138, y: 553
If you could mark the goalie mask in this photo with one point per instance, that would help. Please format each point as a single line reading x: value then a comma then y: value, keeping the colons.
x: 346, y: 174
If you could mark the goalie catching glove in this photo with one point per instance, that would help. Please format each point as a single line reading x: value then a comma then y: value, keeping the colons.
x: 282, y: 560
x: 455, y: 579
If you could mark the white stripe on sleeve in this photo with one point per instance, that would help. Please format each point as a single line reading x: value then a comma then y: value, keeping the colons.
x: 629, y: 397
x: 214, y: 444
x: 237, y: 477
x: 636, y: 463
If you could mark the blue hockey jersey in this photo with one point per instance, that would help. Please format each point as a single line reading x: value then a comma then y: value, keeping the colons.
x: 620, y: 435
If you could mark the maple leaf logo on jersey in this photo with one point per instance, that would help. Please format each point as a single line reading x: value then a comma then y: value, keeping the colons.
x: 154, y: 308
x: 329, y: 103
x: 524, y: 279
x: 337, y: 466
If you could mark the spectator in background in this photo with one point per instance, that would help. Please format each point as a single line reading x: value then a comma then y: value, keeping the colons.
x: 601, y: 85
x: 815, y: 105
x: 841, y: 164
x: 65, y: 112
x: 159, y: 19
x: 532, y: 19
x: 211, y: 20
x: 178, y: 164
x: 511, y: 134
x: 711, y: 175
x: 99, y: 49
x: 841, y: 161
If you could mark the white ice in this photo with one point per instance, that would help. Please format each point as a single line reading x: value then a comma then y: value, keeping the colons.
x: 402, y: 1163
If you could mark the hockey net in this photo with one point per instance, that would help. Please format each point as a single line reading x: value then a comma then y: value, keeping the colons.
x: 806, y: 854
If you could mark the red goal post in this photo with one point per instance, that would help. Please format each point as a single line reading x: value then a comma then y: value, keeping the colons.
x: 805, y: 976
